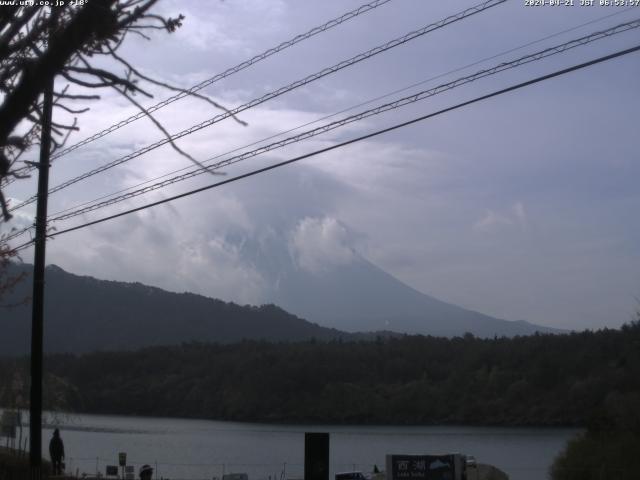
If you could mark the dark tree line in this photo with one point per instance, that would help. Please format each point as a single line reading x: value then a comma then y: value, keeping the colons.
x: 578, y: 379
x: 9, y: 278
x: 609, y: 446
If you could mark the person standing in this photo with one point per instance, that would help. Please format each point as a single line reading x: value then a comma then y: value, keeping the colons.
x: 56, y: 451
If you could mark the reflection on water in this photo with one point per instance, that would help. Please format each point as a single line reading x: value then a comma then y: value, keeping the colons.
x: 201, y: 449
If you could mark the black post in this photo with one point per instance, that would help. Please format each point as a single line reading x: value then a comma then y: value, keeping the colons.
x: 35, y: 409
x: 316, y: 456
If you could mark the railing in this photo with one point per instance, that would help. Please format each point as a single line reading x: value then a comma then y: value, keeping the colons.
x: 95, y: 467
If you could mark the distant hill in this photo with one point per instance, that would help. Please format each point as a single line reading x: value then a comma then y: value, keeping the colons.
x: 84, y: 314
x: 358, y: 296
x: 363, y: 297
x: 352, y: 301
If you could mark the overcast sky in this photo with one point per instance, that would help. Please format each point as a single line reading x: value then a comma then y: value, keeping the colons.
x: 524, y: 206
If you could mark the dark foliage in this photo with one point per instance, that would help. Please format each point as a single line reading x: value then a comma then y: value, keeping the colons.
x: 589, y: 378
x: 9, y: 277
x: 590, y: 456
x: 610, y: 446
x: 15, y: 466
x: 38, y: 43
x: 78, y: 45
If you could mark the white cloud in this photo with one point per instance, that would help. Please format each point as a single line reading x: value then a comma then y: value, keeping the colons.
x: 521, y: 215
x: 190, y: 246
x: 226, y: 26
x: 515, y: 216
x: 23, y: 218
x: 320, y: 243
x: 492, y: 220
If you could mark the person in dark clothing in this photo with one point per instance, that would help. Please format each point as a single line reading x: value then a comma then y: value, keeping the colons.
x: 56, y: 451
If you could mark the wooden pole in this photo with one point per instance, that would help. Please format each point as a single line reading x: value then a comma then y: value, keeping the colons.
x: 35, y: 407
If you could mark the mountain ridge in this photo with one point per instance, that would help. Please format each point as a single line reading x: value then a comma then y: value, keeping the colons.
x: 86, y: 314
x: 358, y: 295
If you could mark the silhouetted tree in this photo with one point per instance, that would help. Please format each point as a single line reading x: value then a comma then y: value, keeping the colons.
x: 67, y: 42
x: 7, y: 280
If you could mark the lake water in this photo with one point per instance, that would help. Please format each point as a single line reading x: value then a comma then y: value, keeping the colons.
x: 202, y: 449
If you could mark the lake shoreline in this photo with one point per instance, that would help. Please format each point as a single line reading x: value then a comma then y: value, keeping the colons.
x: 313, y: 423
x: 194, y: 448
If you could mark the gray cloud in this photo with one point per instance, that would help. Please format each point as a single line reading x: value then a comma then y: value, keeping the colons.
x: 520, y: 207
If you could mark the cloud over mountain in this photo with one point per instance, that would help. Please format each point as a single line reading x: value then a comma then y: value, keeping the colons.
x: 320, y: 243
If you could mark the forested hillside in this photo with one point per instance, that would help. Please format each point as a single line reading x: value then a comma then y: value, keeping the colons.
x: 85, y: 314
x: 539, y: 380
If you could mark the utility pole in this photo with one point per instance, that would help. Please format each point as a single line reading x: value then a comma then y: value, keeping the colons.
x: 35, y: 407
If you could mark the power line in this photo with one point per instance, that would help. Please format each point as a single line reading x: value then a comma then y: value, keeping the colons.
x: 92, y: 205
x: 276, y: 93
x: 361, y: 104
x: 349, y: 142
x: 359, y: 116
x: 367, y: 7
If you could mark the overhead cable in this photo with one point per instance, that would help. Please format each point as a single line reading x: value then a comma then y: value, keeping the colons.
x: 359, y: 116
x: 353, y: 107
x: 276, y: 93
x: 348, y: 142
x: 116, y: 198
x: 230, y: 71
